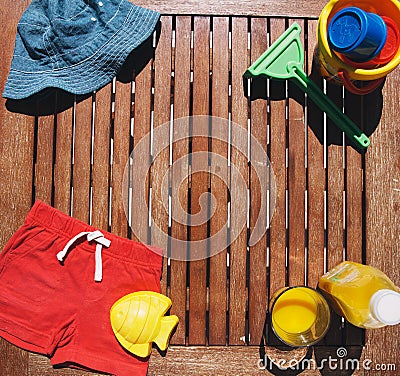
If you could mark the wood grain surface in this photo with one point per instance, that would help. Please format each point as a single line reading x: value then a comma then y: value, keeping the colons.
x: 101, y: 169
x: 257, y: 183
x: 238, y: 289
x: 81, y: 163
x: 63, y: 160
x: 180, y: 151
x: 16, y: 168
x: 219, y: 184
x: 199, y: 183
x: 296, y: 182
x: 382, y: 212
x: 316, y: 179
x: 330, y: 203
x: 120, y: 156
x: 232, y: 8
x: 278, y: 239
x: 159, y: 169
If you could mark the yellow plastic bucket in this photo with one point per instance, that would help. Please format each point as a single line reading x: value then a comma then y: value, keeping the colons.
x: 333, y: 67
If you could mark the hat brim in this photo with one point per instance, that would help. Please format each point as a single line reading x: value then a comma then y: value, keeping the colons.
x: 93, y: 72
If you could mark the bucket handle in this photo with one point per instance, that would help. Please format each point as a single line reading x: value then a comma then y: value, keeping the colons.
x: 349, y: 85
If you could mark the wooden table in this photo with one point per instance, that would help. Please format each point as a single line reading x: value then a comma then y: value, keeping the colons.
x: 331, y: 201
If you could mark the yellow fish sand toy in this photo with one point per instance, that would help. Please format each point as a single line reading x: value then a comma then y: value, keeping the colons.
x: 138, y: 319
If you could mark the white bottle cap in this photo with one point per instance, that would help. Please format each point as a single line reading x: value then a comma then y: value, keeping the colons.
x: 385, y: 306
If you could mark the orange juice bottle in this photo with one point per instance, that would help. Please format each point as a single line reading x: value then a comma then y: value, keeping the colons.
x: 362, y: 294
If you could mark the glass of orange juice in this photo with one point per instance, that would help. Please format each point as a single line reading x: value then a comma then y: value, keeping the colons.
x: 300, y: 316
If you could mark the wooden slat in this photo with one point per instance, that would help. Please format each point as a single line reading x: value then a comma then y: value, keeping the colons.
x: 315, y: 174
x: 211, y: 361
x: 44, y: 159
x: 278, y: 162
x: 188, y: 361
x: 101, y: 158
x: 17, y: 132
x: 278, y: 206
x: 258, y: 252
x: 259, y: 8
x: 335, y: 204
x: 40, y: 365
x: 81, y: 167
x: 354, y: 205
x: 159, y: 169
x: 238, y: 247
x: 16, y: 168
x: 335, y: 185
x: 199, y: 182
x: 206, y: 361
x: 180, y: 149
x: 13, y: 361
x: 142, y: 125
x: 354, y: 185
x: 122, y: 131
x: 63, y: 160
x: 383, y: 204
x: 296, y: 182
x: 219, y: 181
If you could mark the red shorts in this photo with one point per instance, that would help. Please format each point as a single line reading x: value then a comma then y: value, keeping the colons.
x: 57, y: 308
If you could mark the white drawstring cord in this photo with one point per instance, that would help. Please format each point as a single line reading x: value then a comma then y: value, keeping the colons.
x: 100, y: 240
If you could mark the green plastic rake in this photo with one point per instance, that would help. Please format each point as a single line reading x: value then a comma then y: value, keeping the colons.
x: 284, y: 61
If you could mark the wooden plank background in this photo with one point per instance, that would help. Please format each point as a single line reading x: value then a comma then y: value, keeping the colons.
x: 16, y: 167
x: 331, y: 202
x: 255, y: 8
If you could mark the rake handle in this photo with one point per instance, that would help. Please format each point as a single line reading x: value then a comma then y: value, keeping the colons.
x: 326, y: 105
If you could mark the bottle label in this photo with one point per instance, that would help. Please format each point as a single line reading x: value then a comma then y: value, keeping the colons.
x: 343, y: 274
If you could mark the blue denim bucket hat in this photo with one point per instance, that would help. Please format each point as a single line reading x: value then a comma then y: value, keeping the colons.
x: 75, y: 45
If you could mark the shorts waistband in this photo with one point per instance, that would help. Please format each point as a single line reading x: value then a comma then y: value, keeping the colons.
x: 61, y: 223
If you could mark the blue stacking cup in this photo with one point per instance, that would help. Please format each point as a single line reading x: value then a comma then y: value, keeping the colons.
x: 357, y: 34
